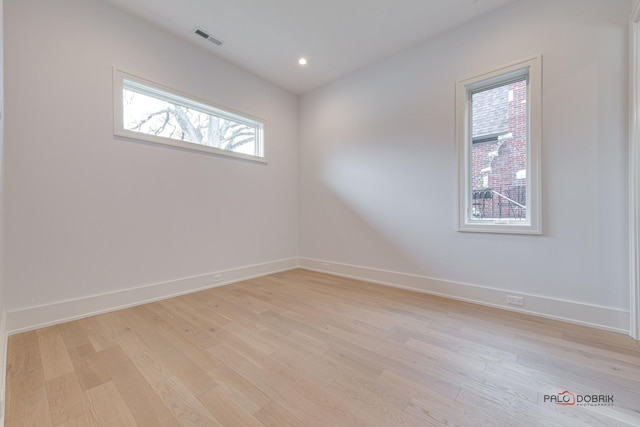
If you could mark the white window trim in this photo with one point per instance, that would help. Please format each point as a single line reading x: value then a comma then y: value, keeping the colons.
x: 634, y: 174
x: 186, y: 99
x: 532, y: 67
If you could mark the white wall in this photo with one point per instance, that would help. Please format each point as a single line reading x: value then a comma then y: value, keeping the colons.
x: 378, y: 164
x: 87, y: 213
x: 3, y: 317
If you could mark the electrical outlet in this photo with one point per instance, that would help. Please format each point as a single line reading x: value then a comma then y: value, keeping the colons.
x: 217, y: 277
x: 325, y: 265
x: 513, y: 300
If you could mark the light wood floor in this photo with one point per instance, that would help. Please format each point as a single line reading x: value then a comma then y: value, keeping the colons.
x: 302, y: 348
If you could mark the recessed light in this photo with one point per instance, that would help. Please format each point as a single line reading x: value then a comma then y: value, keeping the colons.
x: 302, y: 61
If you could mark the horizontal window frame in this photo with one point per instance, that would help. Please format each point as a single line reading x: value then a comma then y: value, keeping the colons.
x: 532, y: 69
x: 123, y: 80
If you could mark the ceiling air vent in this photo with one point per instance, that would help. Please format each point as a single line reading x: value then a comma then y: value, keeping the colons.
x: 207, y: 36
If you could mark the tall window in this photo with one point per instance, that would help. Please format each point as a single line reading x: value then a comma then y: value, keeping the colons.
x: 151, y: 112
x: 498, y: 138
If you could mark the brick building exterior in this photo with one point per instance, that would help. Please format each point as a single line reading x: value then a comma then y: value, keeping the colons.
x: 499, y: 151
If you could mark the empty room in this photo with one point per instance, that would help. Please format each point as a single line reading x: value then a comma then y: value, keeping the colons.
x: 338, y: 213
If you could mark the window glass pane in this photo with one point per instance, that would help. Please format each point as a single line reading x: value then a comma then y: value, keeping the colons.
x: 166, y: 116
x: 499, y: 152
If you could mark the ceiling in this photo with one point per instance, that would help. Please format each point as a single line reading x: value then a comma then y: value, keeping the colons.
x: 267, y: 37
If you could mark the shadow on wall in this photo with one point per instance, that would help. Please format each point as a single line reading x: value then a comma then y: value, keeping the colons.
x: 392, y: 191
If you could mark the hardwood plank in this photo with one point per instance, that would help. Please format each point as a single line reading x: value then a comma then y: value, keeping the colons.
x: 444, y: 412
x: 73, y: 334
x: 66, y: 399
x: 244, y: 391
x: 172, y: 351
x: 274, y: 415
x: 23, y: 355
x: 145, y: 405
x: 108, y: 407
x: 143, y: 357
x: 274, y: 385
x: 188, y: 410
x: 375, y: 408
x: 84, y: 420
x: 55, y: 359
x: 26, y: 396
x: 221, y: 402
x: 97, y: 335
x: 88, y: 366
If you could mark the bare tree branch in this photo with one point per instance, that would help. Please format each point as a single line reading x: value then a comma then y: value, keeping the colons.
x: 164, y: 124
x: 183, y: 123
x: 187, y: 127
x: 150, y: 117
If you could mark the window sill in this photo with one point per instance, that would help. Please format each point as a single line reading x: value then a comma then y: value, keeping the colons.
x: 491, y: 227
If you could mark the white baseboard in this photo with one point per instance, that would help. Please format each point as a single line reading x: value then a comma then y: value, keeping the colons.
x: 611, y: 319
x: 63, y: 311
x: 30, y: 318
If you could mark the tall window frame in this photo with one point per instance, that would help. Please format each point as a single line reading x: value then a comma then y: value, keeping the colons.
x: 531, y: 69
x: 634, y: 173
x: 124, y: 83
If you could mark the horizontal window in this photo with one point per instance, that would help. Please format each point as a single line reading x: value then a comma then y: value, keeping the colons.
x: 151, y: 112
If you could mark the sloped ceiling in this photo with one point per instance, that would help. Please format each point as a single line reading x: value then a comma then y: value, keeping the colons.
x: 268, y: 37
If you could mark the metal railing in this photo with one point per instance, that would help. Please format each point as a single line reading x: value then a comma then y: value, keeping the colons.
x: 509, y: 202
